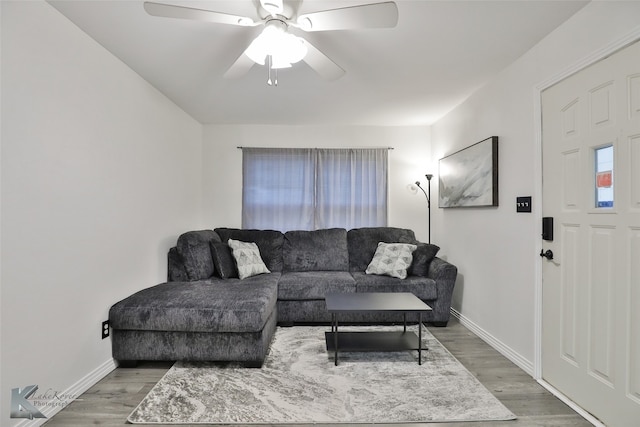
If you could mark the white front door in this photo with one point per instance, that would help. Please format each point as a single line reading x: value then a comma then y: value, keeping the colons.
x: 591, y: 287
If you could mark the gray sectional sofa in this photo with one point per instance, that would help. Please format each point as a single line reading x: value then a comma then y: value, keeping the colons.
x: 205, y: 312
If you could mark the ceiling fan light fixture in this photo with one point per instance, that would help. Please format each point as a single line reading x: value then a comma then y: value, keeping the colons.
x: 290, y: 50
x: 279, y: 63
x: 284, y: 48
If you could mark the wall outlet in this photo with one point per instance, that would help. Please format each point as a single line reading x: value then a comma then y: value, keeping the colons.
x: 105, y: 329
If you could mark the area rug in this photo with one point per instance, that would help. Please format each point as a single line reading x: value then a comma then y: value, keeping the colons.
x: 299, y: 383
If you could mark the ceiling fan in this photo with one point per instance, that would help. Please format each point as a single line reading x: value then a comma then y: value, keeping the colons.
x: 276, y: 47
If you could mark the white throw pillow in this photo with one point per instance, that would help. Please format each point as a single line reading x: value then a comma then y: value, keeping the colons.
x: 391, y: 259
x: 248, y: 259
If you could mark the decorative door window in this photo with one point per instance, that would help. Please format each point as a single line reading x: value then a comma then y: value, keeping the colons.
x: 604, y: 176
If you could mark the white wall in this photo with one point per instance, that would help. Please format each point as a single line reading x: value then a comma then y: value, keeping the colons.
x: 408, y: 162
x: 100, y: 173
x: 496, y: 249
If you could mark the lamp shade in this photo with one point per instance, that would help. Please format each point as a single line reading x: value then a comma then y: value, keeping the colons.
x: 284, y: 48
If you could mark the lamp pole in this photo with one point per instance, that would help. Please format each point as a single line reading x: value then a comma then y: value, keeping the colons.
x: 428, y: 196
x: 429, y: 176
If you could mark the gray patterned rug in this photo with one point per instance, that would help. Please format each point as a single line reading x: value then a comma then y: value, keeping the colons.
x: 300, y: 384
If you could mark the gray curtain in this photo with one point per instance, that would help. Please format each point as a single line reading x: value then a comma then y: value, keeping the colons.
x: 351, y: 188
x: 305, y: 189
x: 278, y: 188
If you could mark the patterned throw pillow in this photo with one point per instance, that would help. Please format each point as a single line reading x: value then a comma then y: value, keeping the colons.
x: 391, y: 259
x: 248, y: 259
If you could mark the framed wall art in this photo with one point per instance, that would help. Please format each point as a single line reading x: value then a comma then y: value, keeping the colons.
x: 469, y: 177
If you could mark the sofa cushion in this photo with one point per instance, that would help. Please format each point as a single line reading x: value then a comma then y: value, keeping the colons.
x: 319, y: 250
x: 248, y: 260
x: 214, y: 305
x: 422, y: 287
x: 391, y: 259
x: 193, y: 247
x: 422, y: 257
x: 269, y: 242
x: 313, y: 285
x: 223, y: 261
x: 363, y: 242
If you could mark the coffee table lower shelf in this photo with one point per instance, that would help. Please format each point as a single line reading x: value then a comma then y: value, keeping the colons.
x: 373, y: 341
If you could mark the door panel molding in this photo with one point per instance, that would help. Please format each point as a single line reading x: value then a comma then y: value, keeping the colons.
x: 602, y: 304
x: 634, y: 168
x: 568, y: 292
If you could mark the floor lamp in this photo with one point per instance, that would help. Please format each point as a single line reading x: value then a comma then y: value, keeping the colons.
x: 428, y: 176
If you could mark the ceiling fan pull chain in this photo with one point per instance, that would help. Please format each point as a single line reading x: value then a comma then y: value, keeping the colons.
x: 275, y: 72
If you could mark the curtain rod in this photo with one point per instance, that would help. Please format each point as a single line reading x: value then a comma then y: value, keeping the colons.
x: 240, y: 147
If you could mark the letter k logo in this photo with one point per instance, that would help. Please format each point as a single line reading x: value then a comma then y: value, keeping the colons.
x: 21, y: 407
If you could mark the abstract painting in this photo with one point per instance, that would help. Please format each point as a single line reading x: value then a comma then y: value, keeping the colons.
x: 469, y: 177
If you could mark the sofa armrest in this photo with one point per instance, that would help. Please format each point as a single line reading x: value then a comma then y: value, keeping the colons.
x: 445, y: 274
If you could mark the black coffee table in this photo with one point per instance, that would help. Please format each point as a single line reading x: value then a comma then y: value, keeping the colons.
x: 368, y: 302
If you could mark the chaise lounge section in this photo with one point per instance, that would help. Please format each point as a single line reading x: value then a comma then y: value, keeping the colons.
x: 205, y: 312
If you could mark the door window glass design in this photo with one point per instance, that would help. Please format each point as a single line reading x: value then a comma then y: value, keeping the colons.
x: 604, y: 177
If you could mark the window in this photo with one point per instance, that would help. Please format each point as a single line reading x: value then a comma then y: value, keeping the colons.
x: 307, y: 189
x: 604, y: 177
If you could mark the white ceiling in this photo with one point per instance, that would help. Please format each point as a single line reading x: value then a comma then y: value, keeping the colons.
x: 439, y: 53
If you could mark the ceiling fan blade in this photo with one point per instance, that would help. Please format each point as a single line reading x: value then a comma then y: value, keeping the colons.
x: 239, y: 68
x: 375, y: 15
x: 181, y: 12
x: 322, y: 64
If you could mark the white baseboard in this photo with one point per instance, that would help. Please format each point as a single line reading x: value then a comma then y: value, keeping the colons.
x: 505, y: 350
x: 76, y: 389
x: 523, y: 364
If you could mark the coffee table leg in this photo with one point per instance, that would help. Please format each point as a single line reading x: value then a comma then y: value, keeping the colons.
x: 335, y: 340
x: 419, y: 338
x: 405, y: 321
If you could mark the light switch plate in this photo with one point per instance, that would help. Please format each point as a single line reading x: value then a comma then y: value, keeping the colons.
x: 523, y: 204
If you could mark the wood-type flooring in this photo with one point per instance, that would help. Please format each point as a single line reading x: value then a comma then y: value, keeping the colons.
x: 110, y: 401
